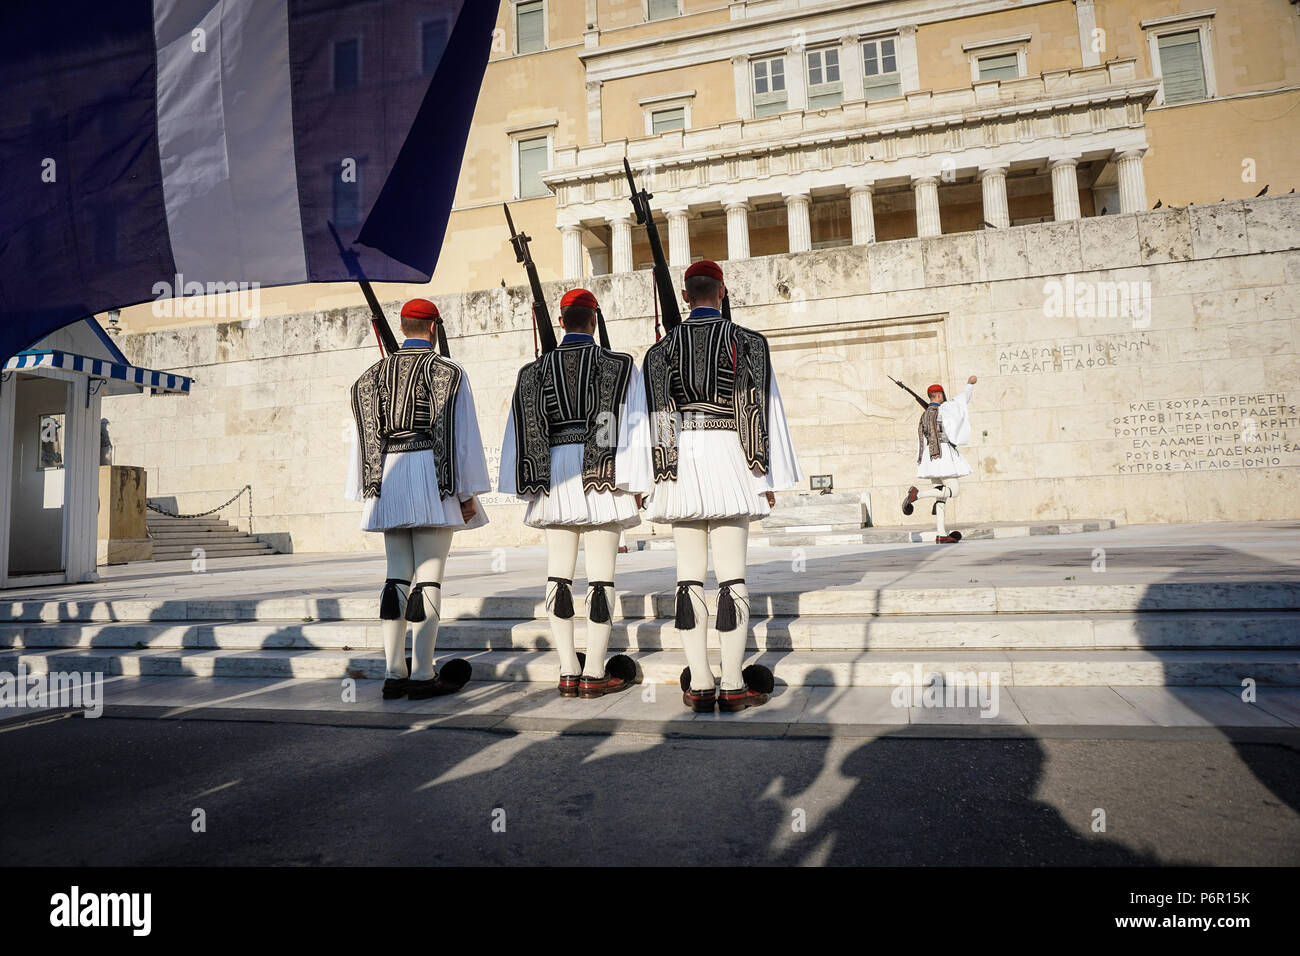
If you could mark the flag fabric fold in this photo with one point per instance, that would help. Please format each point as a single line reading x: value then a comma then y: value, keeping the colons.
x: 154, y: 148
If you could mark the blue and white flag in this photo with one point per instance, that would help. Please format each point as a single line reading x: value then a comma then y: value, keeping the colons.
x: 142, y: 141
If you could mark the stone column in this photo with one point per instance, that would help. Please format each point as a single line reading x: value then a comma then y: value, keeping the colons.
x: 620, y: 241
x: 851, y: 67
x: 737, y: 230
x: 926, y: 191
x: 679, y: 236
x: 744, y: 86
x: 993, y: 179
x: 571, y: 240
x: 1065, y: 188
x: 1132, y: 183
x: 862, y: 217
x: 798, y: 224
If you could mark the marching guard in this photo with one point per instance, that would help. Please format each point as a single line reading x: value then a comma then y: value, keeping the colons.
x: 720, y: 448
x: 418, y: 465
x: 943, y: 426
x: 576, y: 448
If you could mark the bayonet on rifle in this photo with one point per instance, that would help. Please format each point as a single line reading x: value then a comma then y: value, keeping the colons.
x: 383, y: 332
x: 541, y: 314
x: 663, y: 279
x: 920, y: 401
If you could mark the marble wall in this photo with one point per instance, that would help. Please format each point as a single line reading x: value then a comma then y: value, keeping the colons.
x: 1143, y: 367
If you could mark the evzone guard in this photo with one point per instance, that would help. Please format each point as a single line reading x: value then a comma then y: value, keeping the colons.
x: 418, y: 465
x: 720, y: 447
x: 944, y: 425
x: 576, y: 448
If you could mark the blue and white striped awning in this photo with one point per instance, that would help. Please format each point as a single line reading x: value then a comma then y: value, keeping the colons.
x: 118, y: 377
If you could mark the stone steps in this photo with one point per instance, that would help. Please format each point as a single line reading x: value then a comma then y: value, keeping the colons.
x: 842, y: 668
x: 814, y: 535
x: 1118, y: 630
x: 1082, y: 598
x: 174, y: 539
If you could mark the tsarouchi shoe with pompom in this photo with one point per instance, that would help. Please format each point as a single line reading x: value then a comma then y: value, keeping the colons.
x: 452, y: 677
x: 620, y: 674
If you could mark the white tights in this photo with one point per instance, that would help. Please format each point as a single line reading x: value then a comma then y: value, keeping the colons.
x: 728, y: 538
x: 417, y: 555
x: 944, y: 489
x: 562, y: 562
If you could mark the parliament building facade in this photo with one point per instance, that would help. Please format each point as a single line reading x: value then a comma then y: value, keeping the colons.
x: 1087, y: 203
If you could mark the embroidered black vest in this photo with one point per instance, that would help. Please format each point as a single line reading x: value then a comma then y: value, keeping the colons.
x: 572, y: 394
x: 407, y: 402
x: 707, y: 373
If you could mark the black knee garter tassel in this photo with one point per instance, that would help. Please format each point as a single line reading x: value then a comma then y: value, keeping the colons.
x: 598, y: 604
x: 563, y: 604
x: 415, y: 603
x: 685, y: 607
x: 727, y: 605
x: 390, y: 601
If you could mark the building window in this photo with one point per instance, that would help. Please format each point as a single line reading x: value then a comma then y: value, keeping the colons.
x: 824, y: 86
x: 1002, y: 59
x: 770, y: 95
x: 999, y: 66
x: 347, y: 64
x: 347, y: 201
x: 880, y: 79
x: 533, y: 160
x: 433, y: 41
x: 1181, y: 56
x: 1182, y: 66
x: 530, y: 26
x: 660, y: 9
x: 661, y: 121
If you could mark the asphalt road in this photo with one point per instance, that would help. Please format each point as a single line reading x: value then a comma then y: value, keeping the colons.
x: 125, y: 791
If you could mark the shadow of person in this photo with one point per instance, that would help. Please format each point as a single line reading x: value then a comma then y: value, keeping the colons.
x: 1249, y: 691
x: 932, y: 802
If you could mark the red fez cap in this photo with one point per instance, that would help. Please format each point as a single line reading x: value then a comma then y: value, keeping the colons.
x: 705, y: 267
x: 579, y: 297
x: 421, y: 309
x: 935, y: 388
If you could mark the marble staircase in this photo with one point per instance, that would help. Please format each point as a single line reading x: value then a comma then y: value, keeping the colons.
x: 1065, y: 635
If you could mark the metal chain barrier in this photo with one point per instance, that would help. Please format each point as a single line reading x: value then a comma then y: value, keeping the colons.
x: 204, y: 514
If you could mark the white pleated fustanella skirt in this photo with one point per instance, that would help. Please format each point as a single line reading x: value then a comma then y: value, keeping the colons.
x: 568, y: 504
x: 713, y: 481
x: 949, y: 464
x: 409, y: 497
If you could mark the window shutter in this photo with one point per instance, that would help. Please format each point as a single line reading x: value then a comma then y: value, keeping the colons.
x: 532, y: 163
x: 1181, y: 67
x: 1004, y: 66
x: 663, y: 120
x: 529, y: 27
x: 881, y: 87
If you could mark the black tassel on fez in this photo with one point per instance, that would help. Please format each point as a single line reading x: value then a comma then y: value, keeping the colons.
x: 726, y: 620
x: 390, y: 601
x: 685, y: 607
x: 598, y: 605
x: 563, y: 606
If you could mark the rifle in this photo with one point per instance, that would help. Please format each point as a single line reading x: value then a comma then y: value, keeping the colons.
x: 541, y: 314
x: 920, y: 401
x: 663, y: 280
x: 383, y: 332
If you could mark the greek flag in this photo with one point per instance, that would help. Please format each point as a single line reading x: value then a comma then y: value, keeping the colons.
x: 225, y: 142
